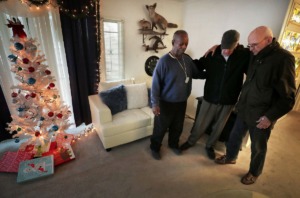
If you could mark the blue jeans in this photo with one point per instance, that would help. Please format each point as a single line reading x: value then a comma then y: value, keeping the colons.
x: 259, y: 139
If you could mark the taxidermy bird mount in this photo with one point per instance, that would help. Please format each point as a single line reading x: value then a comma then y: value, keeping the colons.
x: 158, y: 20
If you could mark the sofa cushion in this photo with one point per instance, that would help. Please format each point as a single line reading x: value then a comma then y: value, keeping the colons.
x: 127, y: 120
x: 137, y: 95
x: 103, y: 86
x: 115, y: 98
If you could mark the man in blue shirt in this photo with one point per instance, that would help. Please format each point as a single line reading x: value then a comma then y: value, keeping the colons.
x: 171, y: 87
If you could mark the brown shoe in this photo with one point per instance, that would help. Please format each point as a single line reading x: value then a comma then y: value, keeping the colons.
x: 248, y: 179
x: 223, y: 160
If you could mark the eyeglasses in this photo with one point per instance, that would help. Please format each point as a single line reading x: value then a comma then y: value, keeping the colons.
x: 253, y: 45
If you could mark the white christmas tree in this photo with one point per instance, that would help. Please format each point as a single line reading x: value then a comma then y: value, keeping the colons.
x: 40, y: 112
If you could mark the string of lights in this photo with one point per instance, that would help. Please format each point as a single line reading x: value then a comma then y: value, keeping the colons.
x: 86, y: 9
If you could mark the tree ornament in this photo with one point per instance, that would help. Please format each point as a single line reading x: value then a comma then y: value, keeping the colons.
x: 25, y: 60
x: 20, y: 109
x: 48, y: 72
x: 12, y: 58
x: 27, y: 96
x: 55, y: 128
x: 37, y: 134
x: 42, y: 118
x: 31, y: 81
x: 18, y: 46
x: 17, y: 28
x: 14, y: 94
x: 17, y: 140
x: 19, y: 129
x: 59, y: 115
x: 33, y: 95
x: 31, y: 69
x: 20, y: 68
x: 51, y: 85
x: 30, y: 48
x: 50, y: 114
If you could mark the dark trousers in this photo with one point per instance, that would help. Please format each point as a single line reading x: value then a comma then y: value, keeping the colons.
x: 259, y: 139
x: 171, y: 118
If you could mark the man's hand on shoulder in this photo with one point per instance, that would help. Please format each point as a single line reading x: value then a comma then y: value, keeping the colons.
x: 211, y: 50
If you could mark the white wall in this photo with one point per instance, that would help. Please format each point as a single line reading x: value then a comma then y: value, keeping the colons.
x: 204, y: 20
x: 131, y: 11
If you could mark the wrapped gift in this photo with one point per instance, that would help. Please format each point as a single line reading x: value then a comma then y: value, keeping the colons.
x: 64, y: 138
x: 11, y: 160
x: 61, y: 154
x: 35, y: 168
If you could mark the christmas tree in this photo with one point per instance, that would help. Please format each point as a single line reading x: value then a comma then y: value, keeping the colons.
x: 40, y: 114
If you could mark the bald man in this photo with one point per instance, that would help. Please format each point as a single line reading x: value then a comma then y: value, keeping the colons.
x: 267, y: 94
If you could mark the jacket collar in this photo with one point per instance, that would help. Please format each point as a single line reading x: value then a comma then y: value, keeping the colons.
x: 267, y: 50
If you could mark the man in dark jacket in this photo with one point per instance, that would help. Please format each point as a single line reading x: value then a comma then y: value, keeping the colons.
x: 268, y: 93
x: 223, y: 71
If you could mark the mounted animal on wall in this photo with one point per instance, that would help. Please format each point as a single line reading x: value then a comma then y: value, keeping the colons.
x: 156, y: 44
x: 158, y: 20
x: 144, y: 24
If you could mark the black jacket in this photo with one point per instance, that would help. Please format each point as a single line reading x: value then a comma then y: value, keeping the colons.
x: 223, y: 79
x: 269, y: 89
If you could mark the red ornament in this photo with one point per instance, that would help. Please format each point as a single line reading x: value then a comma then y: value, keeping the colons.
x: 50, y: 114
x: 37, y: 134
x: 59, y: 115
x: 25, y: 60
x: 33, y: 95
x: 48, y: 72
x: 51, y: 85
x: 27, y: 96
x: 31, y: 69
x: 14, y: 94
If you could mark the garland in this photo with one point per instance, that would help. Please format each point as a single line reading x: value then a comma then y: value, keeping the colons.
x: 86, y: 9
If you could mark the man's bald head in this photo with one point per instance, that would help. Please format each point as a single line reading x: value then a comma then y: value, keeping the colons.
x: 259, y: 38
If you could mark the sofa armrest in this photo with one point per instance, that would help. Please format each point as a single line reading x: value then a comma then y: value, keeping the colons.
x: 100, y: 111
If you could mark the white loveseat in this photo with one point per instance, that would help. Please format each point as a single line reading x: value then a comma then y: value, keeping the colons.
x: 126, y: 126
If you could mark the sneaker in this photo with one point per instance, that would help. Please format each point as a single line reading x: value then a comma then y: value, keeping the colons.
x: 155, y: 154
x: 185, y: 146
x: 175, y: 150
x: 223, y: 160
x: 210, y: 152
x: 248, y: 179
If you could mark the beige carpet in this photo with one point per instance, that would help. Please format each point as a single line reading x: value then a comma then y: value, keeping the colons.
x: 129, y: 171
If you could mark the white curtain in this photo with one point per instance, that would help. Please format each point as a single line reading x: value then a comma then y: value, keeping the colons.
x: 45, y: 27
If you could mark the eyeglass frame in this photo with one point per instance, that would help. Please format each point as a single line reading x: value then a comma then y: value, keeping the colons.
x: 253, y: 45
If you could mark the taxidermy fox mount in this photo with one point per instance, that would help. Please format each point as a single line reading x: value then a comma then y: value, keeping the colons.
x: 157, y: 19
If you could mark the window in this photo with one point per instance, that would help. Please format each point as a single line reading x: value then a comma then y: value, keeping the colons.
x: 113, y: 47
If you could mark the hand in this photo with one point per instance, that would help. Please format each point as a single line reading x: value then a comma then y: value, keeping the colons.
x: 212, y: 49
x: 156, y: 110
x: 263, y: 123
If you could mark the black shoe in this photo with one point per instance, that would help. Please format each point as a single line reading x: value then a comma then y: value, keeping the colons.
x: 210, y: 152
x: 224, y: 160
x: 155, y: 154
x: 185, y: 146
x: 176, y: 150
